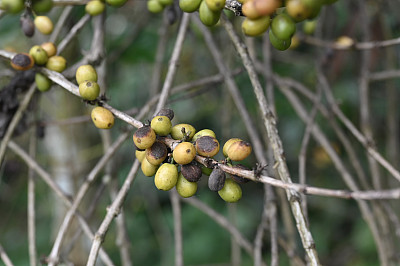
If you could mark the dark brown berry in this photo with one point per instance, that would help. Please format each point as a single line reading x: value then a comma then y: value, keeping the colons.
x: 216, y: 180
x: 22, y: 61
x: 192, y: 172
x: 27, y: 26
x: 157, y: 153
x: 166, y: 112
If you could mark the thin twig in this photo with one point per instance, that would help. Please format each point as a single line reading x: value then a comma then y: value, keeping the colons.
x: 177, y: 214
x: 72, y: 33
x: 60, y: 23
x: 31, y: 202
x: 4, y: 257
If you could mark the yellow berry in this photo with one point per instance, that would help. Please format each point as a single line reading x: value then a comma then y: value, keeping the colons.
x: 50, y: 48
x: 89, y: 90
x: 227, y: 144
x: 56, y: 63
x: 239, y: 150
x: 148, y: 169
x: 44, y: 24
x: 184, y: 153
x: 144, y: 137
x: 161, y: 125
x: 85, y: 72
x: 102, y: 117
x: 184, y: 187
x: 231, y: 192
x: 140, y: 155
x: 166, y: 176
x: 176, y: 131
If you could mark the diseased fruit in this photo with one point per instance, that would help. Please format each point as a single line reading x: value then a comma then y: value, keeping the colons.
x: 207, y: 146
x: 231, y: 192
x: 154, y: 6
x: 44, y: 24
x: 116, y: 3
x: 140, y: 155
x: 161, y: 125
x: 184, y: 153
x: 177, y: 131
x: 89, y: 90
x: 215, y: 5
x: 102, y: 117
x: 203, y: 132
x: 22, y: 61
x: 166, y: 176
x: 283, y: 26
x: 189, y: 5
x: 56, y: 63
x: 216, y: 180
x: 85, y: 72
x: 157, y: 153
x: 184, y: 187
x: 207, y: 16
x: 166, y: 112
x: 95, y: 7
x: 144, y: 137
x: 227, y: 144
x: 278, y: 43
x: 50, y: 48
x: 192, y: 172
x: 27, y: 26
x: 39, y: 55
x: 239, y: 150
x: 255, y: 27
x: 148, y: 169
x: 239, y: 179
x: 43, y: 83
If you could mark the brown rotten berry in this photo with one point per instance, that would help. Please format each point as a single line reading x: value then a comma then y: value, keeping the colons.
x: 216, y: 180
x: 27, y: 26
x: 166, y: 112
x: 207, y: 146
x: 144, y: 137
x: 192, y: 172
x: 239, y: 150
x: 157, y: 153
x: 184, y: 153
x: 22, y: 61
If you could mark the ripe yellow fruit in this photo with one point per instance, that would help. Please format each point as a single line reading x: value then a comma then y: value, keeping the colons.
x: 215, y: 5
x: 166, y: 176
x: 85, y: 72
x: 95, y: 7
x: 50, y: 48
x: 157, y: 153
x: 102, y: 118
x: 161, y: 125
x: 239, y: 150
x: 227, y: 144
x: 140, y: 155
x: 184, y: 187
x: 148, y: 169
x: 144, y: 137
x: 44, y: 24
x: 184, y: 153
x: 176, y: 131
x: 207, y: 146
x: 231, y: 192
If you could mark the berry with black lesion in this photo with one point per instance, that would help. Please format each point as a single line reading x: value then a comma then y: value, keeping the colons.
x: 22, y: 61
x: 166, y: 112
x: 204, y: 132
x: 216, y: 180
x: 144, y: 137
x: 157, y: 153
x: 207, y: 146
x: 140, y: 155
x: 239, y: 150
x: 192, y: 172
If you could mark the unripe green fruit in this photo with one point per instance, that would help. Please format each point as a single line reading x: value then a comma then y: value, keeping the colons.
x: 166, y: 2
x: 215, y: 5
x: 192, y: 172
x: 184, y: 153
x: 50, y: 48
x: 44, y: 24
x: 144, y: 137
x: 42, y: 6
x: 56, y: 63
x: 22, y: 61
x: 283, y: 26
x: 161, y: 125
x: 102, y: 117
x: 185, y: 188
x: 176, y: 131
x: 278, y: 43
x: 148, y: 169
x: 207, y: 16
x: 255, y: 27
x: 206, y: 171
x: 95, y: 7
x: 227, y: 144
x: 189, y: 6
x: 207, y: 146
x: 166, y: 176
x: 154, y: 6
x: 231, y: 192
x: 43, y: 83
x: 39, y: 55
x: 12, y: 6
x: 239, y: 150
x: 166, y: 112
x: 116, y: 3
x: 216, y: 180
x: 157, y: 153
x: 140, y: 155
x: 204, y: 132
x: 85, y: 72
x: 309, y: 26
x: 89, y: 90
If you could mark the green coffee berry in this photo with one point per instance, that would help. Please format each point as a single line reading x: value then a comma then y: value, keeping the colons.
x: 102, y: 117
x: 283, y: 26
x: 161, y: 125
x: 43, y: 83
x: 215, y: 5
x: 204, y: 132
x: 116, y: 3
x: 206, y: 170
x: 157, y: 153
x: 42, y: 6
x: 184, y: 153
x: 177, y: 131
x: 56, y: 63
x: 231, y: 192
x: 239, y: 150
x: 154, y: 6
x: 144, y: 137
x: 148, y: 169
x: 85, y: 72
x: 255, y: 27
x: 12, y: 6
x: 39, y: 55
x: 89, y: 90
x: 207, y: 16
x: 95, y: 7
x: 192, y: 172
x: 189, y: 6
x: 278, y: 43
x: 184, y: 187
x: 166, y: 2
x: 44, y: 24
x: 207, y: 146
x: 166, y: 176
x: 216, y: 180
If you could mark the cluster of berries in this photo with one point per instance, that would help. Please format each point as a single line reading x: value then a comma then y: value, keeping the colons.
x: 174, y: 165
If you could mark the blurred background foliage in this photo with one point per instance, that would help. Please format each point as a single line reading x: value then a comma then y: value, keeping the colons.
x: 340, y: 233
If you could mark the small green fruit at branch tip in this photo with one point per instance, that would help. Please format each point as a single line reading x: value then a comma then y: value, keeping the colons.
x: 95, y: 7
x: 231, y: 192
x: 44, y: 24
x: 189, y: 6
x: 22, y: 61
x: 161, y: 125
x: 204, y: 132
x: 140, y: 155
x: 215, y: 5
x: 185, y: 188
x: 157, y: 153
x: 144, y: 137
x: 89, y: 90
x: 166, y: 176
x: 85, y: 72
x: 102, y: 118
x: 176, y: 131
x: 43, y: 83
x: 207, y: 146
x: 148, y: 169
x: 12, y: 6
x: 216, y: 180
x: 184, y: 153
x: 227, y: 144
x: 116, y: 3
x: 255, y: 27
x: 166, y: 112
x: 239, y: 150
x: 50, y: 48
x: 154, y: 6
x: 56, y: 63
x: 283, y: 26
x: 192, y: 172
x: 39, y: 55
x: 207, y: 16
